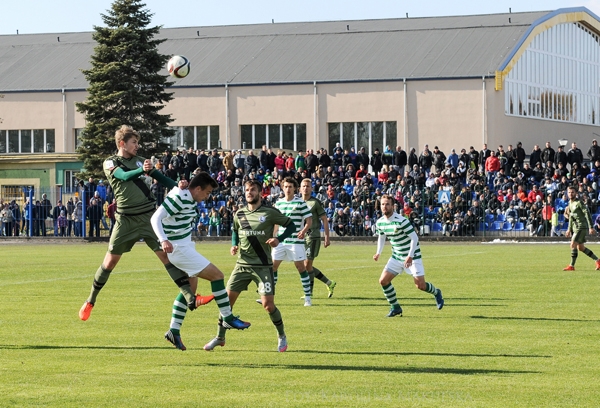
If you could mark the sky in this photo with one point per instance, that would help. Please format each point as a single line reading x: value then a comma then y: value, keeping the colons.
x: 61, y: 16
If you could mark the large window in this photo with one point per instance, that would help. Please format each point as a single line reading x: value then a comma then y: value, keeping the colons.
x: 27, y: 141
x: 557, y: 77
x: 370, y: 135
x: 196, y: 137
x: 70, y: 181
x: 276, y: 136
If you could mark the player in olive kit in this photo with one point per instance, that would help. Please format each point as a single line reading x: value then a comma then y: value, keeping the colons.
x: 252, y: 239
x: 313, y: 238
x: 127, y: 172
x: 579, y: 224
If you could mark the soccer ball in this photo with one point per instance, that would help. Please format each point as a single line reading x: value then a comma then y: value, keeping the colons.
x: 178, y: 66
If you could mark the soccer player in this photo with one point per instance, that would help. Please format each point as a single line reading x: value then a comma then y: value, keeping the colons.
x: 313, y: 238
x: 173, y: 224
x: 292, y: 248
x: 252, y: 239
x: 128, y: 174
x: 579, y: 224
x: 406, y: 255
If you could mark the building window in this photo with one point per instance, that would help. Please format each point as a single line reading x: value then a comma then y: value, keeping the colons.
x: 196, y: 137
x: 289, y: 136
x: 370, y: 135
x: 27, y: 141
x: 557, y: 77
x: 70, y: 181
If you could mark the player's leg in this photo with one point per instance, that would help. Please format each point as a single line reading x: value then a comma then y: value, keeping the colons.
x: 100, y: 278
x: 297, y: 254
x: 577, y: 239
x: 385, y: 280
x: 266, y: 289
x: 588, y: 252
x: 418, y: 273
x: 217, y: 283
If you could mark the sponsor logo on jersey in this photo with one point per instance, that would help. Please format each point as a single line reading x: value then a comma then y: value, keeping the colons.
x: 262, y: 218
x: 139, y: 164
x: 251, y: 233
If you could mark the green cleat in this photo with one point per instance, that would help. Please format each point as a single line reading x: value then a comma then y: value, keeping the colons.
x: 330, y: 288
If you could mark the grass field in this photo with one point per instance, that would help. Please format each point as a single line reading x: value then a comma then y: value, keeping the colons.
x: 516, y: 331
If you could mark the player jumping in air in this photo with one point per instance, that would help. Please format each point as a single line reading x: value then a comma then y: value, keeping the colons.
x: 406, y: 255
x: 173, y: 223
x: 126, y: 172
x: 252, y: 239
x: 579, y: 224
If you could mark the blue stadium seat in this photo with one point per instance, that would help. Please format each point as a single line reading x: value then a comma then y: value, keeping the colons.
x: 500, y: 217
x: 436, y: 227
x: 496, y: 226
x: 221, y: 204
x: 507, y: 226
x: 489, y: 218
x: 519, y: 226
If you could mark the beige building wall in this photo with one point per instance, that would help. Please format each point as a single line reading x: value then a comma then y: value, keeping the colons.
x: 447, y: 114
x: 359, y: 102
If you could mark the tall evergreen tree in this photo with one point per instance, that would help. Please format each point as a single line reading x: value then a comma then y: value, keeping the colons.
x: 125, y: 86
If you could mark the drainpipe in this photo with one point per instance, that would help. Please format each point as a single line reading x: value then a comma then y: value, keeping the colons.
x: 483, y: 112
x: 405, y: 118
x: 227, y: 137
x: 315, y: 138
x: 64, y: 100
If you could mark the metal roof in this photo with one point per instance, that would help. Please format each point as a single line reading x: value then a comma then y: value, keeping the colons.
x: 330, y: 51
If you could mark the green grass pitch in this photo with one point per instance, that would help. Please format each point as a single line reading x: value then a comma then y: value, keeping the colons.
x: 516, y: 331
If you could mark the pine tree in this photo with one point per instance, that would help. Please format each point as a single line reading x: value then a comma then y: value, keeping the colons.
x: 125, y: 86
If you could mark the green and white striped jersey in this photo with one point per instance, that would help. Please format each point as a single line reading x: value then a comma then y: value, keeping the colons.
x: 398, y: 230
x: 298, y: 211
x: 182, y: 210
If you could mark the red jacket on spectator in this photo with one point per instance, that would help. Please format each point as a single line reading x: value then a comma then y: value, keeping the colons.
x: 533, y: 194
x: 360, y: 174
x: 279, y: 163
x: 492, y: 164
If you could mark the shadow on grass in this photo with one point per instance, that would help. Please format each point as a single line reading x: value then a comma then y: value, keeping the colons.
x: 43, y: 347
x: 550, y: 319
x: 410, y: 370
x: 415, y: 353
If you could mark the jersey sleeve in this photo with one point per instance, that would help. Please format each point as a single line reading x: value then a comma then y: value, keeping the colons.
x: 304, y: 210
x: 319, y: 210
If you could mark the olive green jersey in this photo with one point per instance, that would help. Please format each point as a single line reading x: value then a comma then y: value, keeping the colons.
x: 398, y: 229
x: 133, y: 196
x: 579, y: 216
x: 254, y: 228
x: 317, y: 211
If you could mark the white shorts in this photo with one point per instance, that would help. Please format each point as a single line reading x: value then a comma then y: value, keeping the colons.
x: 186, y: 258
x: 289, y: 252
x: 396, y: 267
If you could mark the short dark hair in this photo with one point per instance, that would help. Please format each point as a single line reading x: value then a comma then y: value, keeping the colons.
x: 251, y: 183
x: 290, y: 180
x: 203, y: 180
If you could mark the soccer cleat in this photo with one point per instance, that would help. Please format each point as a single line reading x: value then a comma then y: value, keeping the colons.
x: 598, y: 264
x: 439, y: 299
x: 395, y: 312
x: 235, y: 323
x: 259, y: 301
x: 86, y: 310
x: 282, y: 344
x: 202, y: 300
x: 175, y: 340
x: 330, y: 288
x: 307, y: 301
x: 217, y: 341
x: 571, y: 268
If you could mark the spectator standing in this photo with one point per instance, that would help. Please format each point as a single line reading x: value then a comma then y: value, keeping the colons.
x: 561, y: 157
x: 110, y: 214
x: 202, y: 161
x: 17, y: 215
x: 61, y: 222
x: 594, y: 152
x: 376, y: 161
x: 574, y: 156
x: 413, y: 159
x: 252, y: 162
x: 94, y: 214
x: 56, y: 213
x: 214, y: 163
x: 453, y: 159
x: 483, y: 156
x: 214, y: 225
x: 400, y: 160
x: 45, y: 211
x: 535, y: 156
x: 520, y: 155
x: 439, y: 159
x: 548, y: 154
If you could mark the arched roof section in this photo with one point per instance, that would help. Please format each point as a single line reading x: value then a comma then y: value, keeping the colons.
x: 560, y: 16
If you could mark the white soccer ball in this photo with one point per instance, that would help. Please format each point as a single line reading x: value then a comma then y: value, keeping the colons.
x: 178, y: 66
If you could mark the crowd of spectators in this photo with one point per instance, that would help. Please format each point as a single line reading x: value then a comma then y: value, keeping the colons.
x: 520, y: 190
x: 485, y: 187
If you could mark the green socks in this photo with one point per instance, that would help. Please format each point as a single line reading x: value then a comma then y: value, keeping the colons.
x: 100, y: 279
